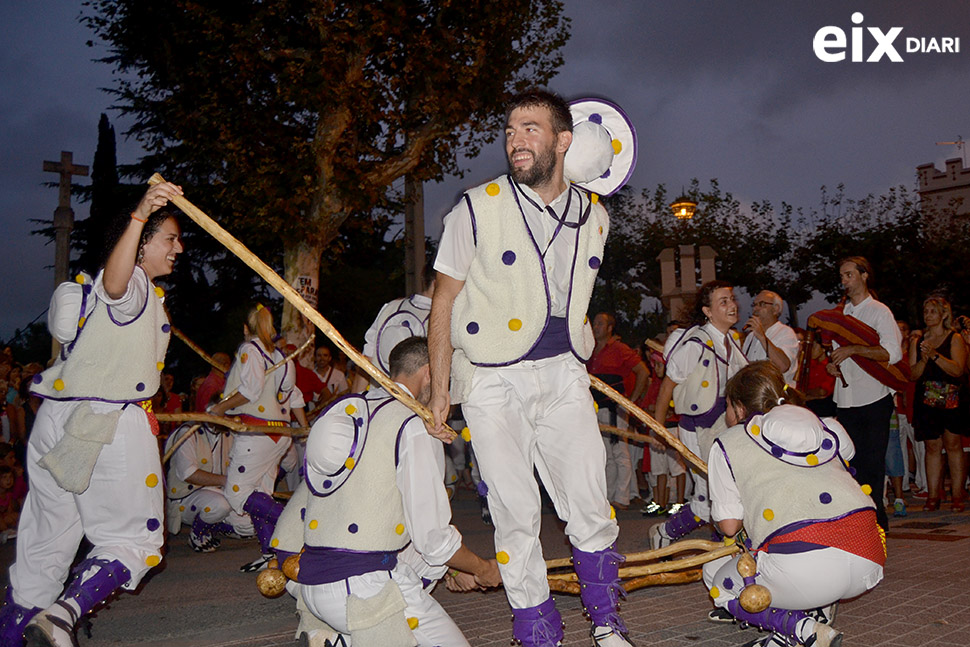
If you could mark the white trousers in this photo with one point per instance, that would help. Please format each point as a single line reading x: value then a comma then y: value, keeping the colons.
x: 253, y: 465
x: 700, y: 502
x: 211, y: 504
x: 431, y: 625
x: 798, y: 581
x: 619, y: 467
x: 121, y: 512
x: 538, y: 415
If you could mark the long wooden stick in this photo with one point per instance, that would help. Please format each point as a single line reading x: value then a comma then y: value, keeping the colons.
x: 232, y: 424
x: 648, y: 420
x: 298, y: 302
x: 684, y: 577
x: 647, y: 555
x: 198, y: 350
x: 662, y: 567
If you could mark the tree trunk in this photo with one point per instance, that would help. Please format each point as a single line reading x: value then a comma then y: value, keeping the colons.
x: 302, y: 271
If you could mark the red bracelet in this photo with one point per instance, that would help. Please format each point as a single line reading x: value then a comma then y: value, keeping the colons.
x: 138, y: 219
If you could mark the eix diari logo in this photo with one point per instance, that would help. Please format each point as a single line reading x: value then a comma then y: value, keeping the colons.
x: 830, y: 43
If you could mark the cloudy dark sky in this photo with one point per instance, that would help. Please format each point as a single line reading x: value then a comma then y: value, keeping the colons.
x: 726, y: 90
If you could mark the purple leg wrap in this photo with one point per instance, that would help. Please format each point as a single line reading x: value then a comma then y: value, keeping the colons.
x: 97, y: 588
x: 539, y: 626
x: 599, y: 582
x: 222, y: 527
x: 683, y: 523
x: 780, y: 621
x: 13, y: 620
x: 264, y: 512
x: 202, y: 529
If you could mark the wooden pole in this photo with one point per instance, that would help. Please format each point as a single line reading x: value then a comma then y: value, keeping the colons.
x: 291, y: 295
x: 198, y: 350
x: 648, y: 420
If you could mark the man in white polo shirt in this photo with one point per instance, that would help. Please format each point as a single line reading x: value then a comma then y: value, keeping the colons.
x: 768, y: 338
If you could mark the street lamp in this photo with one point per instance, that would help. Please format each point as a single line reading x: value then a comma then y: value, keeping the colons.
x: 683, y: 208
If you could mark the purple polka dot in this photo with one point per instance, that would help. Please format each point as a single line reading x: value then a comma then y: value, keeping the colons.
x: 153, y: 525
x: 283, y: 410
x: 38, y: 379
x: 86, y: 288
x: 700, y: 497
x: 777, y: 451
x: 191, y: 487
x: 825, y: 497
x: 192, y: 508
x: 327, y: 484
x: 827, y: 443
x: 352, y: 528
x: 852, y: 471
x: 508, y: 257
x: 706, y: 362
x: 166, y: 327
x: 302, y: 514
x: 242, y: 468
x: 728, y: 583
x: 482, y: 488
x: 594, y: 262
x: 606, y: 174
x: 693, y: 407
x: 472, y: 328
x: 596, y: 118
x: 140, y: 387
x: 359, y: 422
x: 406, y: 324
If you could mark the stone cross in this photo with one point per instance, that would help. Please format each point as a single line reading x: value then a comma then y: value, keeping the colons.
x: 63, y: 215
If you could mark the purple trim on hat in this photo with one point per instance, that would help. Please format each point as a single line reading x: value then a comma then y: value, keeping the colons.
x: 471, y: 214
x: 633, y: 132
x: 399, y: 314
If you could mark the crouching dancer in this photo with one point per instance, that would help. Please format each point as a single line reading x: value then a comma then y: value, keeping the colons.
x: 92, y: 458
x: 782, y: 476
x: 376, y: 480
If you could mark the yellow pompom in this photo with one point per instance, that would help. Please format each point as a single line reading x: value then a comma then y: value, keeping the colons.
x: 79, y: 278
x: 399, y: 528
x: 413, y: 622
x: 261, y: 408
x: 612, y: 513
x: 81, y: 322
x: 729, y: 541
x: 275, y: 542
x: 705, y: 384
x: 174, y: 490
x: 715, y: 592
x: 596, y: 407
x: 349, y: 463
x: 594, y: 199
x: 207, y: 509
x: 466, y: 434
x: 153, y: 560
x: 617, y: 146
x: 515, y: 324
x: 867, y: 489
x: 181, y: 507
x: 159, y: 292
x: 493, y: 189
x: 151, y: 480
x: 205, y: 460
x: 235, y: 488
x: 811, y: 459
x: 58, y: 384
x: 350, y: 410
x: 313, y: 524
x: 755, y: 429
x: 709, y: 343
x: 768, y: 514
x: 502, y: 557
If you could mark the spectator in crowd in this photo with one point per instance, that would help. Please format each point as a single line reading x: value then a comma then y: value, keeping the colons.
x: 768, y: 338
x: 938, y: 361
x: 662, y: 462
x: 214, y: 382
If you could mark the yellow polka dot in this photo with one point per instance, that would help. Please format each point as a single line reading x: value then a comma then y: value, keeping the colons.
x: 58, y: 385
x: 515, y: 324
x: 466, y: 434
x: 159, y: 292
x: 502, y: 557
x: 705, y: 384
x: 153, y: 560
x: 866, y: 489
x: 81, y: 322
x: 729, y: 541
x: 350, y: 410
x: 671, y: 404
x: 399, y: 528
x: 612, y: 513
x: 617, y: 146
x: 736, y: 335
x: 79, y: 278
x: 159, y: 365
x: 174, y: 490
x: 594, y: 199
x: 601, y: 230
x: 697, y: 519
x: 313, y: 524
x: 275, y: 542
x: 413, y: 622
x: 492, y: 189
x: 768, y: 514
x: 811, y: 459
x: 715, y: 592
x: 244, y: 357
x: 454, y: 477
x: 181, y: 508
x: 596, y: 407
x: 151, y: 480
x: 710, y: 343
x: 755, y: 429
x: 261, y: 408
x: 235, y: 488
x: 205, y: 460
x: 349, y: 463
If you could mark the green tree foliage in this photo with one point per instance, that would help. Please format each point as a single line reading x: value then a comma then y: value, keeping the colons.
x: 283, y: 118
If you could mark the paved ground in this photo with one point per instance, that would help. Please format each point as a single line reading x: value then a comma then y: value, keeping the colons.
x: 203, y: 600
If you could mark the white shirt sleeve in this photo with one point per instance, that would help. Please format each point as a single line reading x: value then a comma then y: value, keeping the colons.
x: 456, y: 250
x: 252, y: 374
x: 682, y: 356
x: 725, y: 496
x: 889, y: 336
x: 132, y: 303
x: 338, y: 381
x: 420, y: 478
x: 185, y: 462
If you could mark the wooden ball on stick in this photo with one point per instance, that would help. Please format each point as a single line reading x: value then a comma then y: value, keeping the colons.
x: 291, y: 567
x: 271, y: 582
x: 754, y: 598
